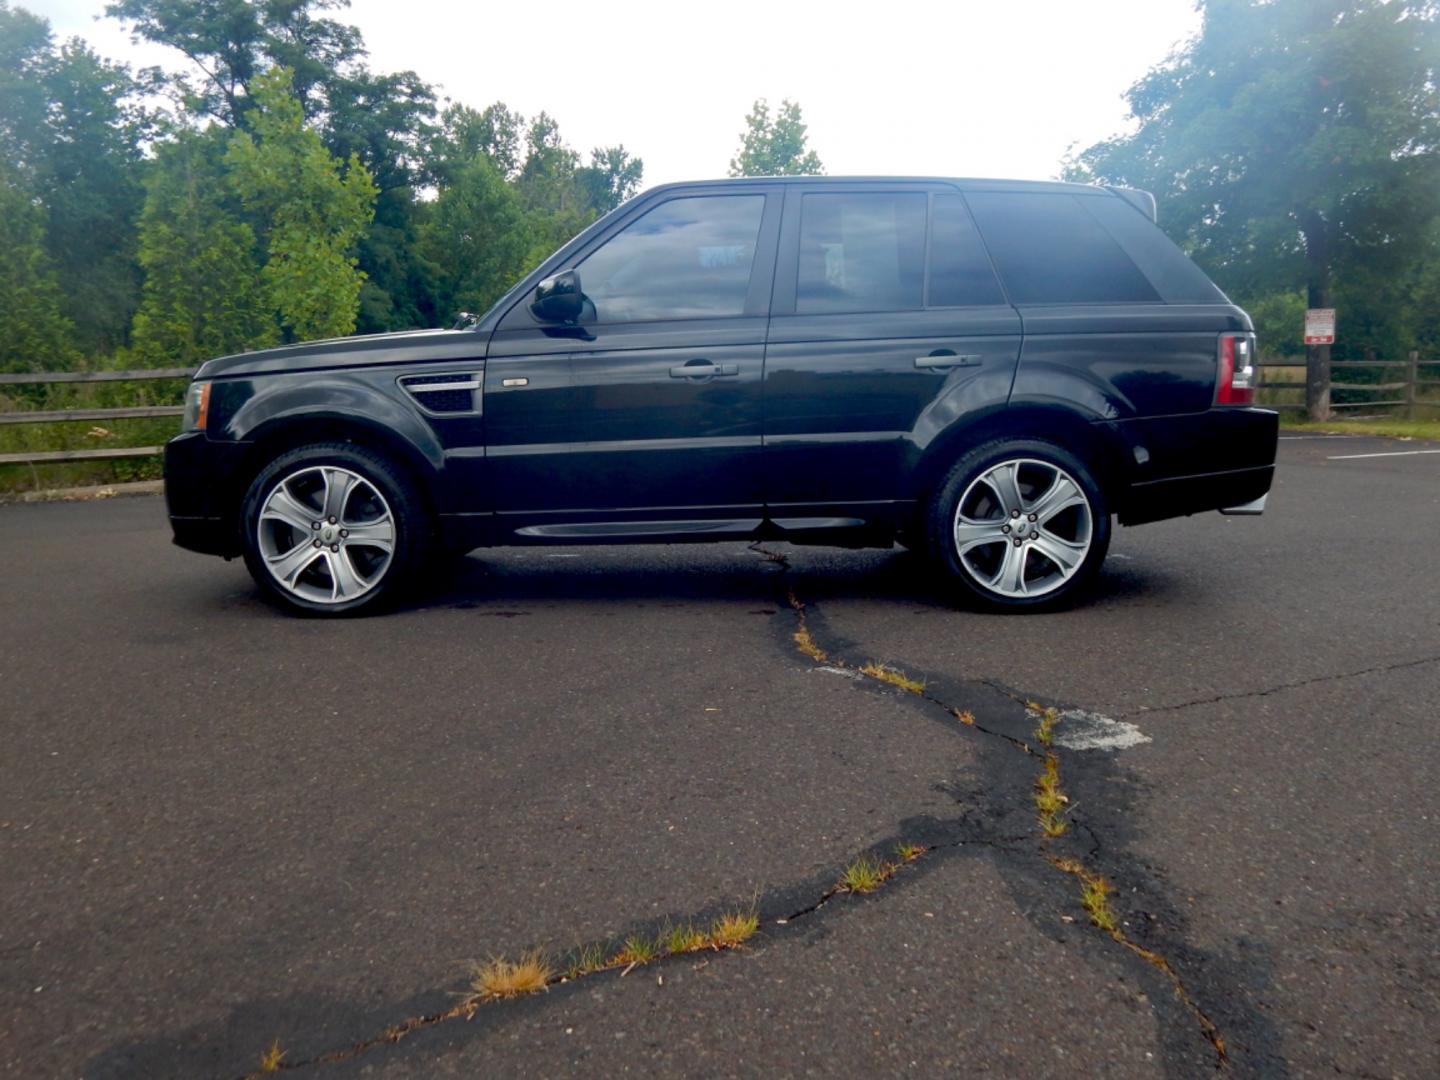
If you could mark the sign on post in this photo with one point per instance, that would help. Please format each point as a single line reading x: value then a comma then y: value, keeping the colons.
x: 1320, y: 326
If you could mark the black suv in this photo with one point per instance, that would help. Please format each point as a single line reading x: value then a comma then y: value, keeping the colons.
x: 984, y: 370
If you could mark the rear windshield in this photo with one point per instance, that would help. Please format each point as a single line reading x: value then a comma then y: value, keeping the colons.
x: 1050, y: 250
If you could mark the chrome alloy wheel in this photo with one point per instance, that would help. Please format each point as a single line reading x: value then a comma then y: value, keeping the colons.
x: 326, y: 534
x: 1023, y: 528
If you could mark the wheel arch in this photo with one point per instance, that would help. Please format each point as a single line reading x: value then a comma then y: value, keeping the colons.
x: 283, y: 433
x: 1092, y: 442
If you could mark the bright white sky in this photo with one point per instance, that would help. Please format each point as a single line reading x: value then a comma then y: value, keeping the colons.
x: 960, y: 88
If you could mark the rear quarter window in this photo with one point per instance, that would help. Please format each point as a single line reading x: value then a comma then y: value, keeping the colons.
x: 1050, y: 250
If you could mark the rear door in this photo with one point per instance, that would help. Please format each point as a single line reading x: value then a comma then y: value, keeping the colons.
x: 888, y: 326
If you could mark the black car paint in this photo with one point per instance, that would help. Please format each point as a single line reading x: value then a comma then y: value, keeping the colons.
x: 820, y: 427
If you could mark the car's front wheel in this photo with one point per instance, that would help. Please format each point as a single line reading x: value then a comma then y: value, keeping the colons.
x: 1019, y: 525
x: 333, y: 529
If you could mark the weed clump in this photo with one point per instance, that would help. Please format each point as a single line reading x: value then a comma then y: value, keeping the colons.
x: 733, y: 929
x: 1050, y: 801
x: 270, y: 1060
x: 866, y: 874
x: 500, y: 978
x: 892, y: 677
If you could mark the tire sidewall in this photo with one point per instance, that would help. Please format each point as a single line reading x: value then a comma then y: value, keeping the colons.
x: 946, y: 500
x: 412, y: 531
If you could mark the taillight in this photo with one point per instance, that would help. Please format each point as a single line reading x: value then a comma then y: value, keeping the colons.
x: 1235, y: 379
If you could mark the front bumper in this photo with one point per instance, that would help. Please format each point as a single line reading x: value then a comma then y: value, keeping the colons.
x: 201, y: 493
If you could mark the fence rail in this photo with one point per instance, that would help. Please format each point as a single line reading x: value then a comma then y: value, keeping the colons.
x: 1411, y: 388
x: 53, y: 416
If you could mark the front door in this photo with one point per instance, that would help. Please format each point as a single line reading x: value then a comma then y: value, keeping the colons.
x: 648, y: 419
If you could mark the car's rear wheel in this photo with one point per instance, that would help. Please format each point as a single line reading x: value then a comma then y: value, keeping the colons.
x: 333, y: 529
x: 1020, y: 525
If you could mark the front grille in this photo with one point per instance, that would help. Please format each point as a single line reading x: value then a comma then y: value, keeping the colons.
x: 448, y: 393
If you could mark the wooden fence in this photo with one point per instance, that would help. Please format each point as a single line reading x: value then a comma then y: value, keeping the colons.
x: 1411, y: 386
x: 51, y: 416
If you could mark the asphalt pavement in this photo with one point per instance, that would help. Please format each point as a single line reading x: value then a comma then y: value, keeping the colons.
x: 223, y: 829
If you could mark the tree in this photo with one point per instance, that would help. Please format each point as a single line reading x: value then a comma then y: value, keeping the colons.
x: 231, y: 43
x: 775, y: 147
x: 72, y: 127
x: 611, y: 177
x: 477, y: 238
x: 203, y: 294
x: 35, y: 335
x: 1292, y: 143
x: 465, y: 134
x: 312, y: 214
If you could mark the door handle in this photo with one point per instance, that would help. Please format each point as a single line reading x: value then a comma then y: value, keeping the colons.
x: 702, y: 369
x: 946, y: 358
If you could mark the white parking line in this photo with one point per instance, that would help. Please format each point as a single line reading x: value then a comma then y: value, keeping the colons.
x: 1393, y: 453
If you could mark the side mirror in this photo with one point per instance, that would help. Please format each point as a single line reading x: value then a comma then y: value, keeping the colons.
x: 558, y: 299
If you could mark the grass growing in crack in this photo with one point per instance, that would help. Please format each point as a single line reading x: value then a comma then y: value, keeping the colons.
x: 1044, y: 734
x: 894, y: 678
x: 270, y: 1060
x: 636, y: 950
x: 866, y: 874
x: 676, y: 940
x: 586, y: 960
x: 965, y: 716
x: 1050, y: 801
x: 499, y: 978
x: 733, y: 929
x: 909, y: 852
x: 803, y: 639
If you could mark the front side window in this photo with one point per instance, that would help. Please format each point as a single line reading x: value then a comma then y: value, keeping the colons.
x: 861, y: 252
x: 687, y: 258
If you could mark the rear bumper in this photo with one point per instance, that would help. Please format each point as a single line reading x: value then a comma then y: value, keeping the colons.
x: 200, y: 493
x: 1236, y: 491
x: 1219, y: 459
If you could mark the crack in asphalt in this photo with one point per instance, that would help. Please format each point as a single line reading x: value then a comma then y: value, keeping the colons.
x: 1239, y: 695
x: 1029, y: 846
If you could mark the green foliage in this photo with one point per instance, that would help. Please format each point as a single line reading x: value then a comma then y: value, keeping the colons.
x: 477, y: 238
x: 775, y: 147
x: 203, y: 295
x: 71, y: 127
x: 35, y: 335
x: 1294, y: 143
x: 312, y: 215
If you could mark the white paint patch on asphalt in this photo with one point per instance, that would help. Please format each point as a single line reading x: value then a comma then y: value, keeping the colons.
x: 1392, y: 453
x: 828, y: 670
x: 1081, y: 730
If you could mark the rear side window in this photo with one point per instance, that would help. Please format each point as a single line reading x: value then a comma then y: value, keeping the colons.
x: 685, y: 259
x: 1050, y: 250
x: 861, y: 252
x: 960, y: 273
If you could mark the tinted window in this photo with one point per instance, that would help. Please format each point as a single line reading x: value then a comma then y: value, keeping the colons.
x: 861, y: 252
x: 960, y: 271
x: 1174, y: 276
x: 1051, y: 251
x: 685, y: 259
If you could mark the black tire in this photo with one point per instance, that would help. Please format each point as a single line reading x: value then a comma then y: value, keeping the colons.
x: 411, y: 533
x: 981, y: 574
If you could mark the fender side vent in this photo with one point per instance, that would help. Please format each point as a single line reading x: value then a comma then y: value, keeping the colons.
x: 444, y: 394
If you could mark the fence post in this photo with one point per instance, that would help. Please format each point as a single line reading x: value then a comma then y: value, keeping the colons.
x: 1412, y: 384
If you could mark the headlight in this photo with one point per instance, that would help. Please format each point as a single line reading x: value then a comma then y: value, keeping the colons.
x: 197, y: 404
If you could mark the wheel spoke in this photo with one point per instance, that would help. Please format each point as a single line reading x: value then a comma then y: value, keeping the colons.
x: 1063, y: 494
x: 377, y: 534
x: 1010, y: 579
x: 345, y: 582
x: 338, y: 486
x: 1004, y: 480
x: 284, y: 507
x: 970, y: 534
x: 292, y: 564
x: 1065, y: 554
